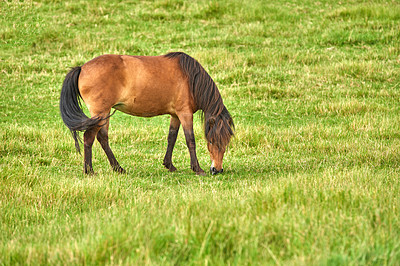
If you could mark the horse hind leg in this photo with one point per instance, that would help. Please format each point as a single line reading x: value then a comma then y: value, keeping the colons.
x: 102, y: 137
x: 172, y: 134
x: 88, y: 139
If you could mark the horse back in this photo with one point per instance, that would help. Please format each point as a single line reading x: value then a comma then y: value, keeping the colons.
x: 137, y: 85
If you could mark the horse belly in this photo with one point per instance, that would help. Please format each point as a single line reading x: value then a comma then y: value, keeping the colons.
x: 143, y: 106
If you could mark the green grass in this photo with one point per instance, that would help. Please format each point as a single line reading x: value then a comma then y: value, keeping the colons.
x: 312, y: 176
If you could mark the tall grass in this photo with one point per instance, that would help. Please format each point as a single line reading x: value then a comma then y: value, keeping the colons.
x: 311, y: 176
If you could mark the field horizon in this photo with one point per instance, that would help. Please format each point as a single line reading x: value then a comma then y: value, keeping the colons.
x: 311, y: 176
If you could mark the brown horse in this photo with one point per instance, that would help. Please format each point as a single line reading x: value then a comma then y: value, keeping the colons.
x: 146, y: 86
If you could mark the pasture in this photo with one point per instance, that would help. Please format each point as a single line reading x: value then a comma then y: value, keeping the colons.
x: 311, y: 176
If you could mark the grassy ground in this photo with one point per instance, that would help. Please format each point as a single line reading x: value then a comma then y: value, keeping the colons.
x: 312, y: 176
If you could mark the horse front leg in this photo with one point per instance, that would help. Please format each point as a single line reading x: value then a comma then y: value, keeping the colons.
x: 172, y: 135
x: 187, y: 124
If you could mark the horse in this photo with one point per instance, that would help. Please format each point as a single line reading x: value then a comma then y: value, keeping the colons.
x: 174, y: 84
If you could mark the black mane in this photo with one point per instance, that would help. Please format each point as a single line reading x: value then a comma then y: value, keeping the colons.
x: 218, y: 123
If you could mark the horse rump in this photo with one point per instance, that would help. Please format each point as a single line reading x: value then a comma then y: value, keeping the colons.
x: 71, y: 109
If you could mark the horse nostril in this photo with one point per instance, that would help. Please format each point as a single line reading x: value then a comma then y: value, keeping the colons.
x: 214, y: 171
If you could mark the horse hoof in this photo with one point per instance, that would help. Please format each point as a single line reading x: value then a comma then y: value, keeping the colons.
x: 89, y: 172
x: 172, y: 169
x: 119, y: 169
x: 202, y: 173
x: 169, y: 166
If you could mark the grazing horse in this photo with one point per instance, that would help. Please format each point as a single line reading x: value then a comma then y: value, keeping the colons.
x: 146, y: 86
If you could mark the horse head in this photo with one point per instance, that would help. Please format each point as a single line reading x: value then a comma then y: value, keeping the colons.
x: 219, y: 131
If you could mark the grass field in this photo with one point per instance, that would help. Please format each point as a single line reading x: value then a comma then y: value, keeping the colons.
x: 312, y: 176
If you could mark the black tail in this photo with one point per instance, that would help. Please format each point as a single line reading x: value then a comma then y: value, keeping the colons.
x: 70, y: 107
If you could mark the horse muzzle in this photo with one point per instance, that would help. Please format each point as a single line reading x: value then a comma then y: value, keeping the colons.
x: 214, y: 170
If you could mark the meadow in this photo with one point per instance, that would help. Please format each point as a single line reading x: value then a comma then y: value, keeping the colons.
x: 311, y: 176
